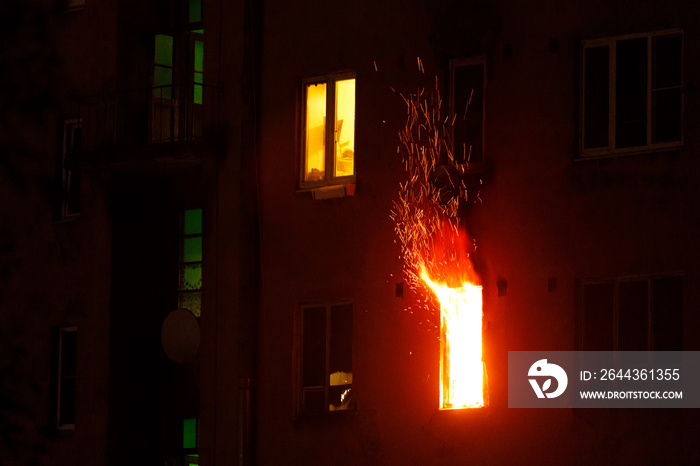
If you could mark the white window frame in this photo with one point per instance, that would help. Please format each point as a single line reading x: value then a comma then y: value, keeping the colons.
x: 611, y: 150
x: 329, y: 178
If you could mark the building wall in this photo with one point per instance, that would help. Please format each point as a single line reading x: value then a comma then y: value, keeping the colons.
x: 54, y: 272
x: 545, y: 215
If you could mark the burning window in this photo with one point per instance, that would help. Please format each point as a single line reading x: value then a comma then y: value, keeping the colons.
x: 633, y: 314
x: 632, y: 93
x: 435, y: 248
x: 328, y: 150
x: 326, y: 358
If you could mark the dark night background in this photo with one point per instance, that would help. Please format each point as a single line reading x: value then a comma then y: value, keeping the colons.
x: 583, y: 155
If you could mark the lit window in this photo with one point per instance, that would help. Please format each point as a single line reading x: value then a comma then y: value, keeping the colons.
x: 164, y: 108
x: 69, y: 168
x: 636, y: 314
x: 467, y: 78
x: 190, y: 282
x: 326, y: 358
x: 190, y: 443
x: 163, y: 66
x: 65, y: 362
x: 632, y: 94
x: 328, y: 150
x: 197, y: 68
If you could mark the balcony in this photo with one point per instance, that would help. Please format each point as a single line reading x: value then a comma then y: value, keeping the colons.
x: 165, y: 121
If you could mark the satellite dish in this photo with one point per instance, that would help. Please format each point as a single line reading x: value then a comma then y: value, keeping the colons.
x: 180, y: 336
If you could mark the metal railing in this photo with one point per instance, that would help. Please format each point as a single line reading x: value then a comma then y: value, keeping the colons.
x: 137, y: 118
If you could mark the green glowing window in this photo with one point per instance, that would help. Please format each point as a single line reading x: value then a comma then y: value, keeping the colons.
x: 198, y: 78
x: 190, y: 269
x: 195, y: 11
x: 163, y: 66
x: 189, y: 433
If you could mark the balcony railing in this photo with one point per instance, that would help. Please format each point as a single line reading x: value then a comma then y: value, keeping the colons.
x: 128, y: 120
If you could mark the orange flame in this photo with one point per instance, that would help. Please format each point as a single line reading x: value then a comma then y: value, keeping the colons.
x: 461, y: 366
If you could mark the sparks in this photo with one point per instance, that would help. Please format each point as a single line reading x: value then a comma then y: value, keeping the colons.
x: 434, y: 246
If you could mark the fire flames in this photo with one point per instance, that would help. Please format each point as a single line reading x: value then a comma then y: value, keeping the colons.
x: 435, y: 246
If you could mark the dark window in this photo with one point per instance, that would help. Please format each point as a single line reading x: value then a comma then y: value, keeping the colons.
x: 467, y: 106
x: 65, y: 362
x: 326, y: 358
x: 633, y: 314
x: 596, y: 101
x: 70, y: 168
x: 632, y: 93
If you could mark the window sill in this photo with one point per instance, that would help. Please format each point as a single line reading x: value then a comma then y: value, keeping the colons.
x: 332, y: 191
x: 609, y: 154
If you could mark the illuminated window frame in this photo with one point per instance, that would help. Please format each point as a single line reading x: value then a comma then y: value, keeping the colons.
x: 331, y: 139
x: 319, y: 342
x: 608, y: 109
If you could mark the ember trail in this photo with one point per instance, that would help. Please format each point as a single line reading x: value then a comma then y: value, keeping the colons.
x: 434, y: 242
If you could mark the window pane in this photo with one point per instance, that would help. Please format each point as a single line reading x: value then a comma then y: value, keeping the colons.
x: 598, y: 317
x: 596, y: 100
x: 631, y: 93
x: 315, y: 150
x: 190, y: 300
x: 633, y: 316
x: 190, y: 277
x: 192, y: 222
x: 162, y: 77
x: 195, y: 11
x: 164, y: 50
x: 314, y: 401
x: 668, y: 314
x: 340, y: 377
x: 314, y: 347
x: 189, y: 433
x: 67, y: 402
x: 345, y: 127
x: 667, y: 61
x: 666, y: 110
x: 67, y: 376
x: 199, y: 55
x: 192, y: 249
x: 468, y: 124
x: 69, y: 347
